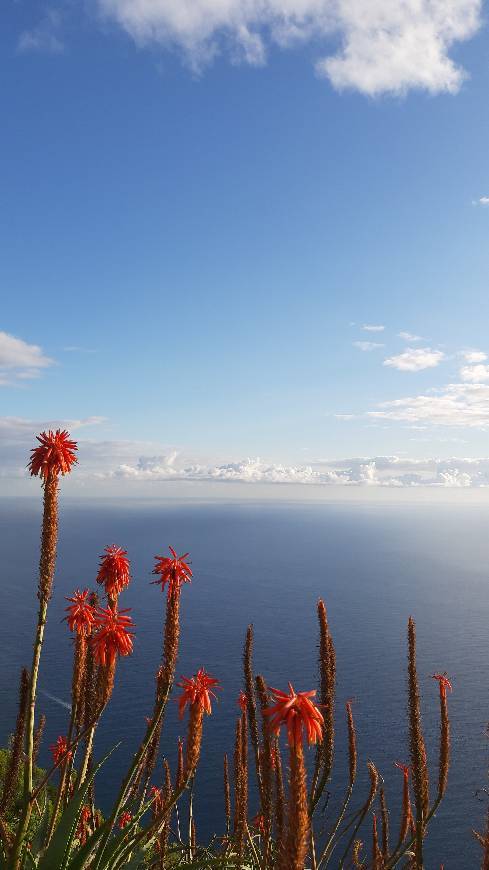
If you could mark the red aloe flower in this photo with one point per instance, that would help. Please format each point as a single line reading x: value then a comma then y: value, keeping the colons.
x: 124, y: 819
x: 175, y: 571
x: 114, y: 570
x: 197, y: 690
x: 444, y: 683
x: 81, y: 614
x: 157, y: 795
x: 113, y: 635
x: 297, y: 712
x: 258, y: 822
x: 82, y: 829
x: 242, y: 701
x: 55, y: 455
x: 58, y: 750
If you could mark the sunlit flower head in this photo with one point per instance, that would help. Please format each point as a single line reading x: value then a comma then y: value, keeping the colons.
x: 242, y: 701
x: 114, y: 570
x: 80, y: 613
x: 197, y: 690
x: 113, y: 635
x: 55, y: 454
x: 58, y: 750
x: 444, y: 683
x: 297, y: 712
x: 173, y: 570
x: 124, y: 819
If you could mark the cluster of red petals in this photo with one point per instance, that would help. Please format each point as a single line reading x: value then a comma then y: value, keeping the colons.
x: 114, y: 570
x: 55, y: 455
x: 297, y: 712
x: 80, y: 613
x: 82, y: 829
x: 197, y: 690
x: 258, y: 823
x: 173, y: 570
x: 242, y: 701
x: 113, y: 635
x: 444, y: 684
x: 124, y: 819
x: 58, y: 750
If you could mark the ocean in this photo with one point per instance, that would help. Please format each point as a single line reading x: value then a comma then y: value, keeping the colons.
x: 267, y: 564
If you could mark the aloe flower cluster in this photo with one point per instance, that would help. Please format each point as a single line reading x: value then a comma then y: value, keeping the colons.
x: 272, y: 806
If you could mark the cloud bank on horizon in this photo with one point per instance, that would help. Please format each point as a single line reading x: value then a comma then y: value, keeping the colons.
x: 375, y: 48
x: 126, y: 461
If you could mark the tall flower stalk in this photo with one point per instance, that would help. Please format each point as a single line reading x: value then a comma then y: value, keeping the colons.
x: 55, y: 455
x: 300, y: 715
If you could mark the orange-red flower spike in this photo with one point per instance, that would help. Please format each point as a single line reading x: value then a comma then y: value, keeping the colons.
x: 197, y: 690
x: 444, y: 683
x: 55, y: 455
x: 124, y: 819
x: 58, y: 750
x: 113, y: 635
x: 298, y: 713
x: 80, y: 613
x: 114, y: 570
x: 173, y: 570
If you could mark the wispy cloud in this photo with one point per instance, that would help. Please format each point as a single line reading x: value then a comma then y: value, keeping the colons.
x: 483, y: 200
x: 384, y: 47
x: 45, y: 37
x: 454, y: 405
x: 415, y: 359
x: 408, y: 336
x: 372, y: 327
x: 20, y: 360
x: 367, y: 345
x: 473, y: 356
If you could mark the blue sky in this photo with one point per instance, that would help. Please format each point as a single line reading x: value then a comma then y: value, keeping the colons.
x: 203, y: 207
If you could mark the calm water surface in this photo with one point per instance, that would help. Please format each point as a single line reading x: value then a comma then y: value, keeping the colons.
x: 267, y: 564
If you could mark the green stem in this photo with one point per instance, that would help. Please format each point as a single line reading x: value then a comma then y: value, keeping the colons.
x: 121, y: 798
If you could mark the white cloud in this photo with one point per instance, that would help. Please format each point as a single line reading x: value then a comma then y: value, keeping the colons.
x: 415, y: 359
x: 367, y: 345
x: 475, y: 374
x: 383, y: 471
x: 45, y: 37
x: 384, y: 46
x: 128, y: 462
x: 474, y: 356
x: 454, y: 405
x: 20, y: 360
x: 483, y: 200
x: 408, y: 336
x: 370, y: 327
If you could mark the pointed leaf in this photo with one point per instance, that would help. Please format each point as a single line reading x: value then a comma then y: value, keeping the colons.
x: 58, y: 851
